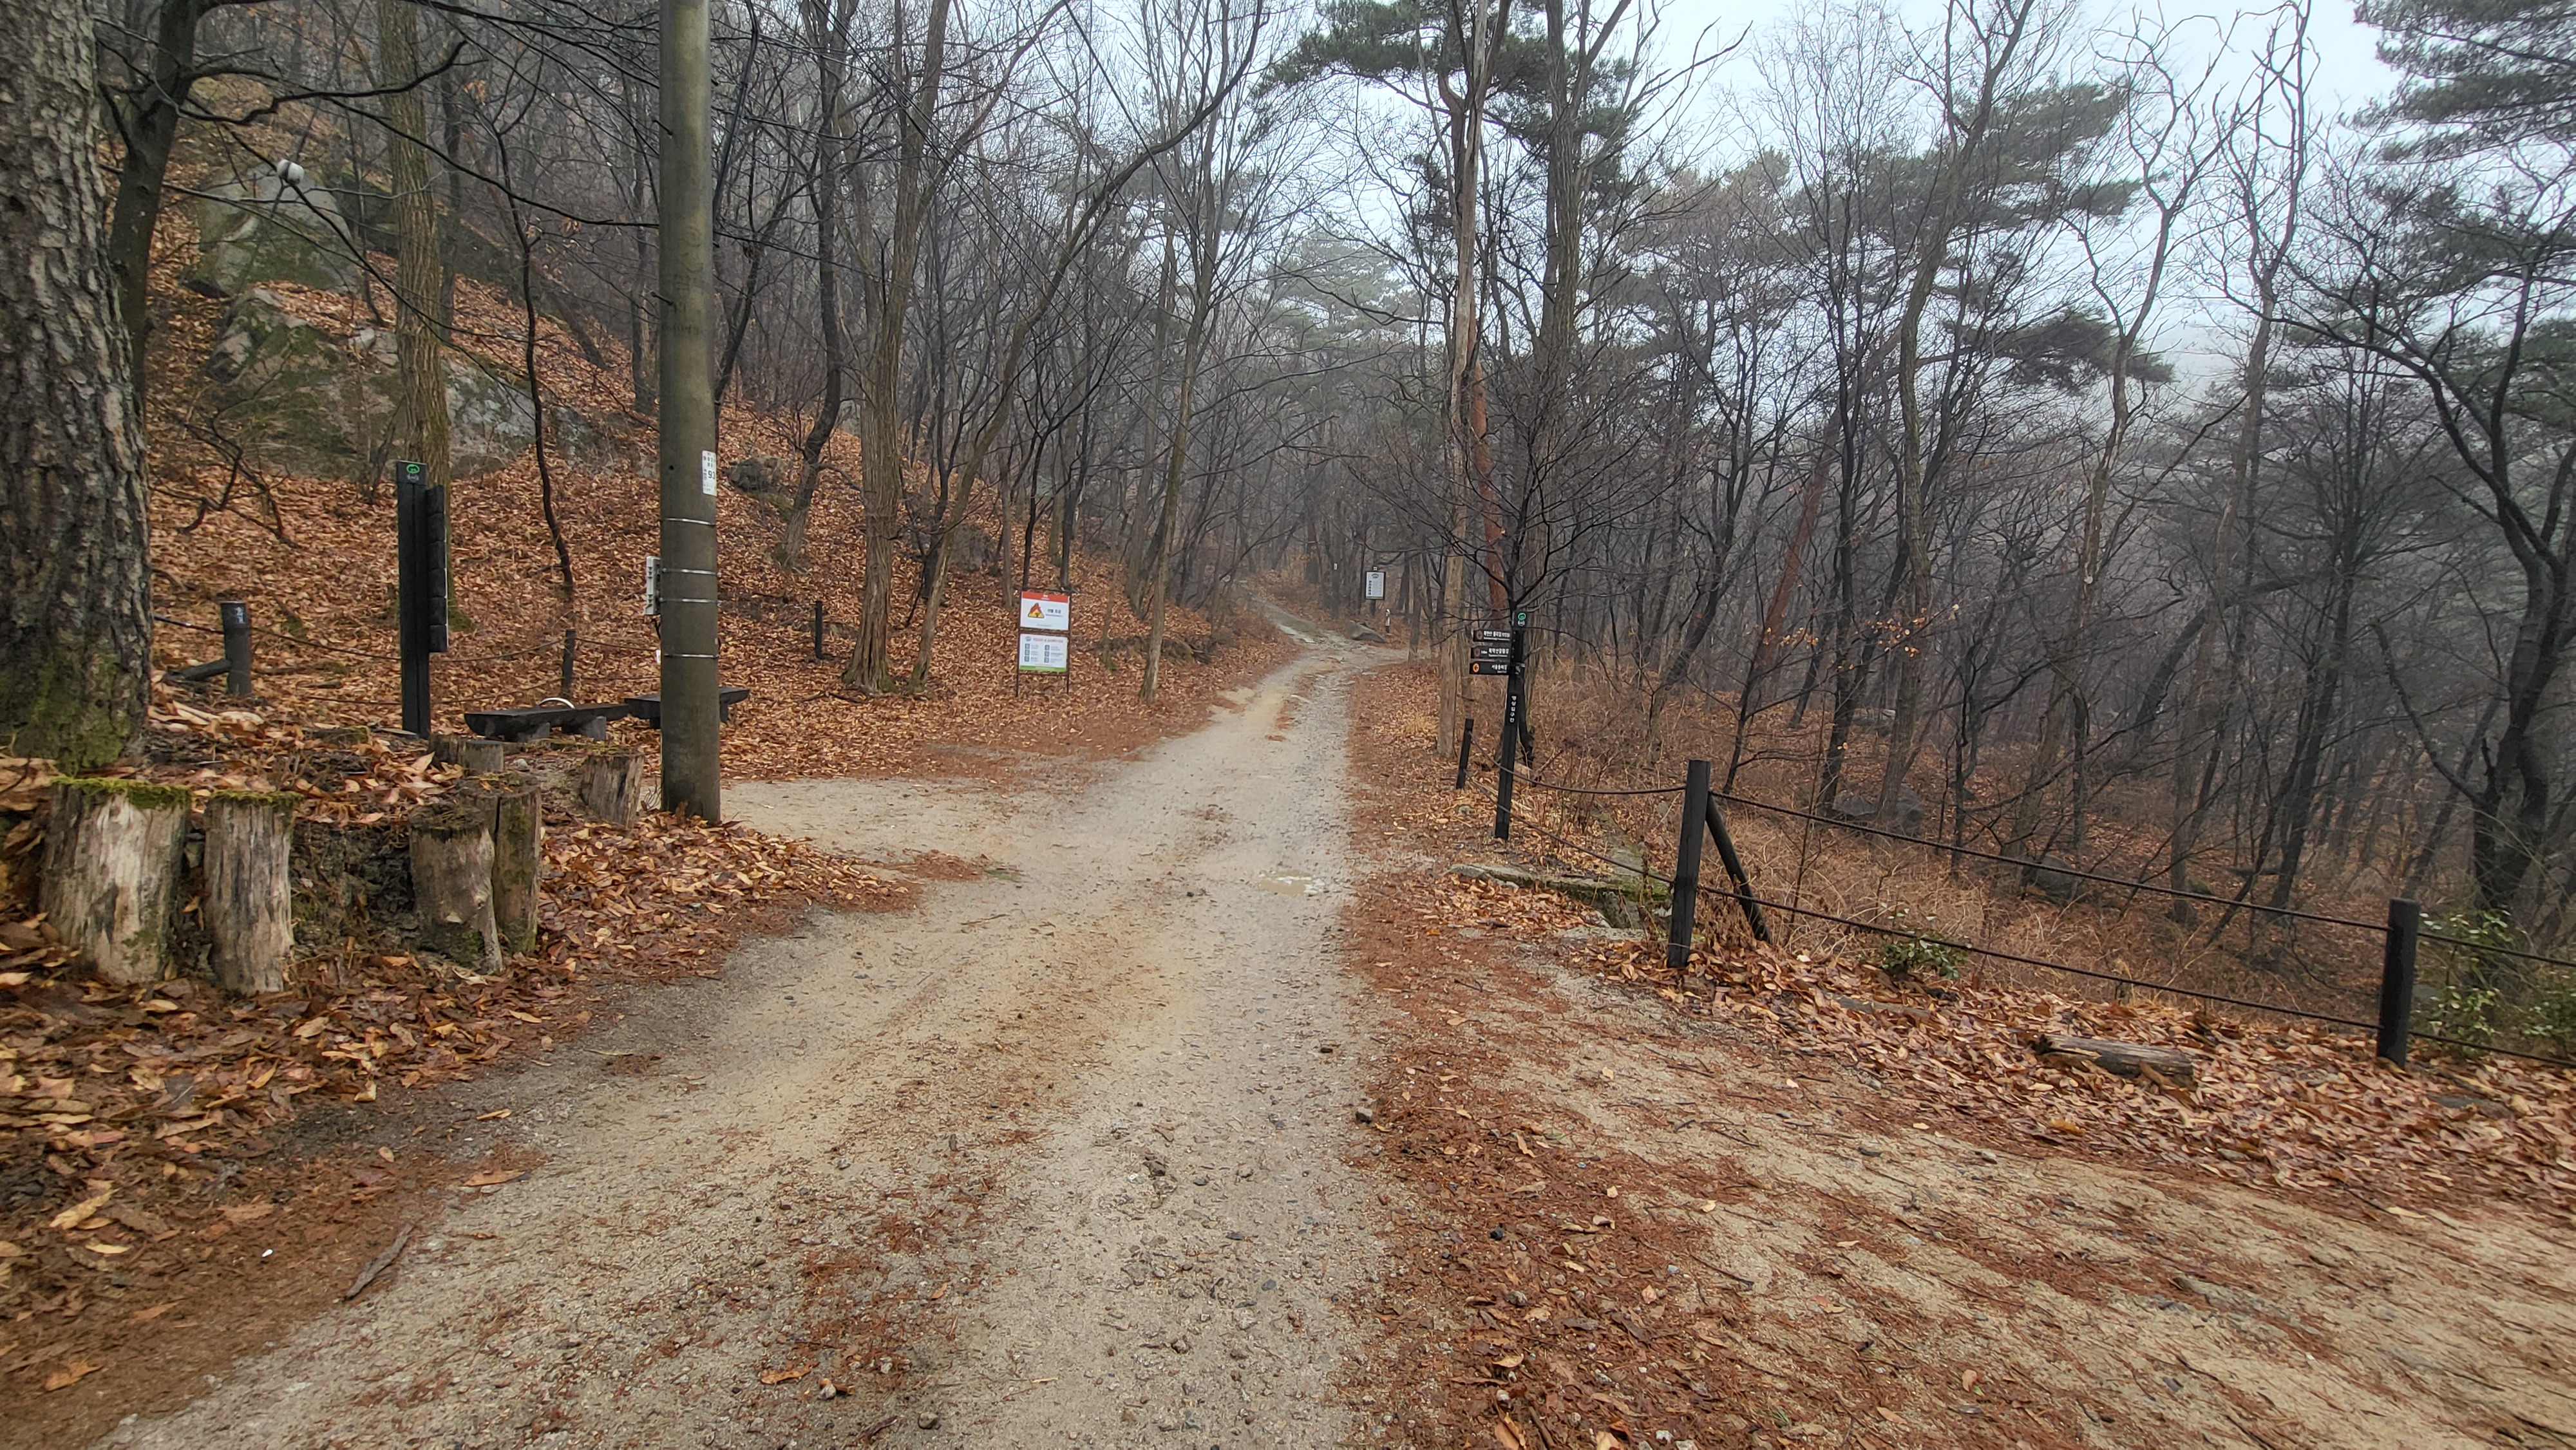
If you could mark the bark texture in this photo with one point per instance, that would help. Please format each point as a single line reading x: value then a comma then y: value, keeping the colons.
x: 451, y: 880
x: 249, y: 906
x: 111, y: 875
x: 75, y: 614
x: 420, y: 276
x: 612, y: 786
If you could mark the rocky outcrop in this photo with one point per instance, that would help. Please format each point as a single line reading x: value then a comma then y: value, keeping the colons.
x: 298, y: 399
x: 267, y: 229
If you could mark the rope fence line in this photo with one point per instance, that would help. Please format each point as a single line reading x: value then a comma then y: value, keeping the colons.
x: 1728, y: 895
x: 550, y: 647
x: 2123, y: 882
x: 2130, y: 884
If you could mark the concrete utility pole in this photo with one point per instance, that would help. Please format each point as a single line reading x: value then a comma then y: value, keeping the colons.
x: 690, y: 774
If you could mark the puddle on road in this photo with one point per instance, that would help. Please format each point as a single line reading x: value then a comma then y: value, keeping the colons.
x: 1290, y: 884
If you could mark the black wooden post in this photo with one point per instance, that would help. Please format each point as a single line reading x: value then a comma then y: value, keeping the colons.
x: 420, y: 553
x: 1511, y: 736
x: 2397, y: 979
x: 1466, y: 740
x: 236, y: 617
x: 1686, y: 867
x: 1735, y: 872
x: 566, y: 691
x: 818, y: 629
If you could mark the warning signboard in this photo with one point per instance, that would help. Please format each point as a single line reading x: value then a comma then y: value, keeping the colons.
x: 1046, y: 611
x: 1042, y: 654
x: 1374, y: 585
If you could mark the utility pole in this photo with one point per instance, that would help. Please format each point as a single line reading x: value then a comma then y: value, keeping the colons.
x: 690, y: 771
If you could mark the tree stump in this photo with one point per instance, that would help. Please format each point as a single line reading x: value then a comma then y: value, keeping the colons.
x: 451, y: 880
x: 112, y: 857
x: 612, y: 786
x: 249, y: 905
x: 479, y: 757
x: 518, y: 859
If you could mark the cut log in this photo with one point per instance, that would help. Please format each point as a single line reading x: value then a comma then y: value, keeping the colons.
x: 518, y: 859
x: 2128, y: 1059
x: 612, y: 786
x: 112, y: 856
x: 249, y: 908
x: 451, y: 881
x: 479, y: 757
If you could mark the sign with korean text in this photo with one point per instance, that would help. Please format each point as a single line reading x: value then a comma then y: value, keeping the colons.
x: 1046, y: 611
x: 1042, y: 654
x: 1375, y: 587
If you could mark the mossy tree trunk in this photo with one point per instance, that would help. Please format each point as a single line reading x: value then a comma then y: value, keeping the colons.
x: 75, y: 611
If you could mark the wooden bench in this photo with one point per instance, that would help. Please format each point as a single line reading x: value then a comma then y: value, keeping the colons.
x: 648, y: 708
x: 540, y: 721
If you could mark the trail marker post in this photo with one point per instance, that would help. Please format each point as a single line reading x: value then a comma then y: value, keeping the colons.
x: 1513, y: 707
x: 1466, y: 741
x: 235, y: 615
x: 420, y: 588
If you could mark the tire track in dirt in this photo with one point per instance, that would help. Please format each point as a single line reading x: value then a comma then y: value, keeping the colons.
x: 1056, y: 1156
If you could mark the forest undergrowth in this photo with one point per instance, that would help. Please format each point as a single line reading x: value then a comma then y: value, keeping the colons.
x: 2279, y: 1101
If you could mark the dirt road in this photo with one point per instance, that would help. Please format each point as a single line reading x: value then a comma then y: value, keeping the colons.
x: 1055, y: 1157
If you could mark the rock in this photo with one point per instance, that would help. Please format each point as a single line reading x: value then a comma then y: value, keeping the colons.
x: 1365, y: 1115
x: 2054, y: 880
x: 306, y: 402
x: 1364, y: 634
x: 927, y: 1419
x: 1853, y: 806
x: 760, y: 474
x: 264, y: 230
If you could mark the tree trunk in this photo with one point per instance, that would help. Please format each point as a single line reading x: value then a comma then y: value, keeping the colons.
x: 249, y: 908
x: 149, y: 120
x: 451, y: 881
x: 880, y: 461
x: 831, y: 39
x: 420, y: 404
x: 75, y: 617
x: 111, y: 874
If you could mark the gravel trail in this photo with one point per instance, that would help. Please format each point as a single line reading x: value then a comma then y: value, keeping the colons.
x: 1055, y: 1157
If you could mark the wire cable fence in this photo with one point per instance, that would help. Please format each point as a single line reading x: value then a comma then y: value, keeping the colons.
x: 1744, y: 897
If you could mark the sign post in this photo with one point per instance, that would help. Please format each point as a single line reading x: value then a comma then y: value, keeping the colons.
x: 1046, y: 635
x: 1374, y: 588
x: 1512, y: 660
x: 420, y: 589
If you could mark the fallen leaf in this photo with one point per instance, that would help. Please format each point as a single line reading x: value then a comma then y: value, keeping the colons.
x: 2067, y: 1126
x: 1510, y: 1435
x: 146, y: 1316
x: 111, y: 1249
x: 249, y: 1212
x: 71, y: 1217
x: 71, y: 1374
x: 782, y: 1376
x: 490, y: 1116
x: 493, y: 1177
